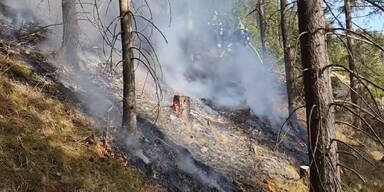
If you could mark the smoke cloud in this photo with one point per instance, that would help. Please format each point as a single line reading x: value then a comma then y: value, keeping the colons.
x: 92, y: 53
x: 193, y: 67
x: 190, y: 60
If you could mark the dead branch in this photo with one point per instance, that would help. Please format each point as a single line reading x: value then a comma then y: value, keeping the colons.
x: 353, y: 171
x: 354, y: 150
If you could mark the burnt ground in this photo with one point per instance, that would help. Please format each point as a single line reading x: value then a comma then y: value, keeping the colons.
x: 218, y: 150
x: 170, y: 165
x: 232, y: 142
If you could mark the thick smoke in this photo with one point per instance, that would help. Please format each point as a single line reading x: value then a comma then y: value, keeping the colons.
x: 193, y: 67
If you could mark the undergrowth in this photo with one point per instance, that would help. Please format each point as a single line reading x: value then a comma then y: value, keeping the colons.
x: 42, y: 142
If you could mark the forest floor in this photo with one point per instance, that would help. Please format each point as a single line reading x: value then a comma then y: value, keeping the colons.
x: 231, y: 141
x: 49, y: 137
x: 218, y: 150
x: 46, y: 144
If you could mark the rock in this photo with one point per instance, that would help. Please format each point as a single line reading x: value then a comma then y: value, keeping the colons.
x: 204, y: 149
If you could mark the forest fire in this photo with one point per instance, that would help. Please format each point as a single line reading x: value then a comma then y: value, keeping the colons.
x: 184, y: 96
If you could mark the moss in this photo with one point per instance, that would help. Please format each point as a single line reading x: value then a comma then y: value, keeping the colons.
x: 41, y: 146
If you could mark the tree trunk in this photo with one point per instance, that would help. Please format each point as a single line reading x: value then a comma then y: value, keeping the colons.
x: 288, y: 59
x: 352, y: 65
x: 324, y: 174
x: 70, y: 45
x: 262, y: 29
x: 129, y: 96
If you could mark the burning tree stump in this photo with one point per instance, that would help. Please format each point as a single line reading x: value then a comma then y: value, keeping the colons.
x: 181, y: 105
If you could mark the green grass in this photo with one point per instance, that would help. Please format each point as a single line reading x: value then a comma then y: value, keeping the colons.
x: 42, y: 142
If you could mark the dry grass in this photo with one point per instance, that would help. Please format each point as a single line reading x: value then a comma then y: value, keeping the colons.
x: 42, y: 144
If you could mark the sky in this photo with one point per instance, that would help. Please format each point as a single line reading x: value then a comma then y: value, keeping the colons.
x: 372, y: 22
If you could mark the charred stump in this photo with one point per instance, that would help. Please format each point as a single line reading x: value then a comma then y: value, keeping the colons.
x: 181, y: 105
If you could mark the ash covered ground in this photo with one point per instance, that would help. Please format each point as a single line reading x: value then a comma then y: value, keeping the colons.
x: 219, y: 149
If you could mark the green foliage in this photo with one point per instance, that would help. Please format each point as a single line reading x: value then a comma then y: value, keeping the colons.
x: 369, y: 59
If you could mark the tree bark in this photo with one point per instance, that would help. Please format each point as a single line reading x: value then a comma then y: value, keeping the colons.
x: 354, y: 84
x: 288, y: 59
x: 129, y: 96
x: 262, y: 26
x: 324, y: 174
x: 70, y: 44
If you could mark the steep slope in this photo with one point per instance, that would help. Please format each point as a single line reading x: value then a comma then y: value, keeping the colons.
x: 231, y: 142
x: 46, y: 144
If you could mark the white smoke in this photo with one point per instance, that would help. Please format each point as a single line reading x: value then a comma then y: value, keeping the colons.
x: 235, y: 81
x: 93, y: 93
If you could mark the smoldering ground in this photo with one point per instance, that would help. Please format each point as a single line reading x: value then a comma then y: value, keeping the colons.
x: 236, y: 81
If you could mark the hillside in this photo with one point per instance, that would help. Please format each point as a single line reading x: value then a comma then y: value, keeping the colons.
x: 46, y: 144
x: 191, y: 96
x: 51, y: 116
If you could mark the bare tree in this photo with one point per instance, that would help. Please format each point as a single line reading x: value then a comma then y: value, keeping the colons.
x: 137, y: 48
x: 70, y: 44
x: 351, y: 59
x: 324, y: 174
x: 262, y: 26
x: 129, y: 96
x: 288, y: 59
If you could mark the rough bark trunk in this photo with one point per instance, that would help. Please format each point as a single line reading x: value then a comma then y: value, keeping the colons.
x: 352, y: 65
x: 288, y: 59
x: 129, y: 96
x: 262, y: 28
x: 324, y: 174
x: 70, y: 45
